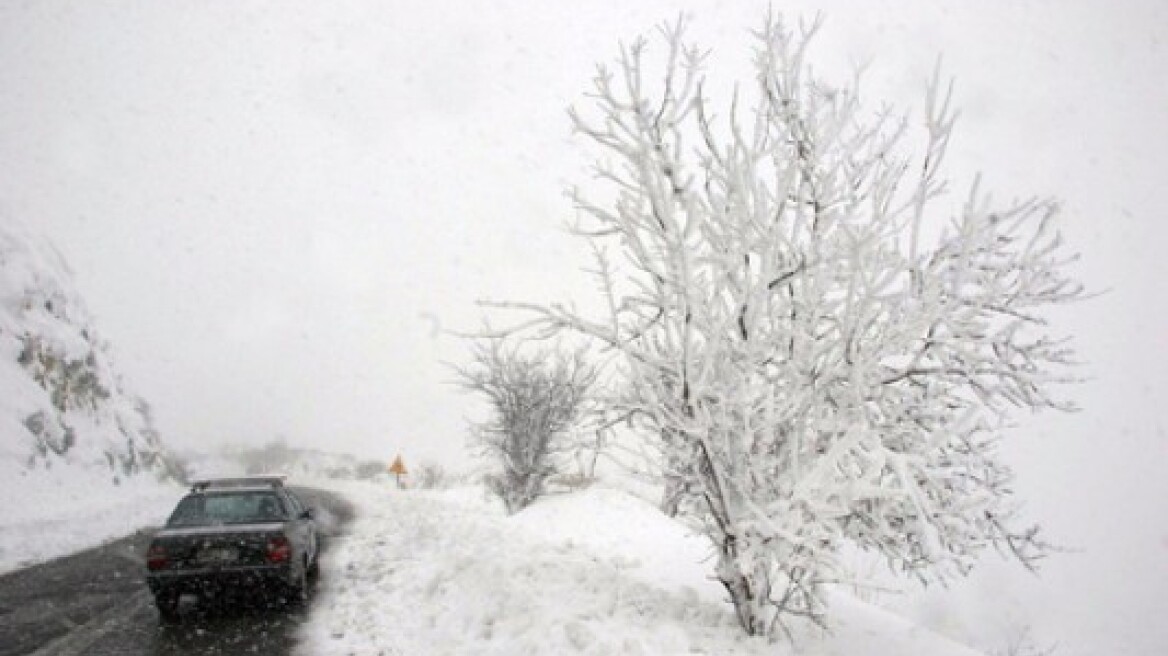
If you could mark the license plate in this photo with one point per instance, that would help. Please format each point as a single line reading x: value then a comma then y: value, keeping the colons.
x: 217, y: 555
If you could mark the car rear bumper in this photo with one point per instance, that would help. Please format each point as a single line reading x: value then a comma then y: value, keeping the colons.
x: 222, y: 581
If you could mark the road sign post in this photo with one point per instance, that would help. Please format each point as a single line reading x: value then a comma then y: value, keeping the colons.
x: 398, y: 469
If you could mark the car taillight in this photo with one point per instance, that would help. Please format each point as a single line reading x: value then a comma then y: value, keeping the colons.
x: 279, y: 549
x: 156, y: 557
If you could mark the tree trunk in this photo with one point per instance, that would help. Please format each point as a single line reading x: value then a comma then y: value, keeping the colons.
x: 749, y: 590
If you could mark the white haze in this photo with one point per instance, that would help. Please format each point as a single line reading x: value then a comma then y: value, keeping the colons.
x: 274, y: 209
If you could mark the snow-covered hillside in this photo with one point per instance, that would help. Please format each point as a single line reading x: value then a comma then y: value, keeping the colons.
x: 75, y: 443
x: 592, y: 572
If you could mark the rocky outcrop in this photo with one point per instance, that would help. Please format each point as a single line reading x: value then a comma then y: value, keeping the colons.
x: 62, y: 402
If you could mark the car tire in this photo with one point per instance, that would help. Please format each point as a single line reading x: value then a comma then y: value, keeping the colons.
x: 297, y: 594
x: 167, y: 604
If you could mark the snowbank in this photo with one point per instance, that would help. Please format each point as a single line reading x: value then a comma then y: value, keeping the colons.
x: 594, y: 572
x: 59, y: 511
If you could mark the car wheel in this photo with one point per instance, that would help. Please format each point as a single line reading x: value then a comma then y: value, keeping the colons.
x: 298, y: 588
x: 167, y: 604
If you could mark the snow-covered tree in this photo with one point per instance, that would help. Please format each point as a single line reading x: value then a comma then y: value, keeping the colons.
x: 534, y: 401
x: 824, y: 350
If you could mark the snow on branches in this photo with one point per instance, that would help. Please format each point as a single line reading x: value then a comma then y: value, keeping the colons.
x: 820, y: 354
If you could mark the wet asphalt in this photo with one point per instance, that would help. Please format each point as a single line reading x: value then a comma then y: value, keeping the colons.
x: 96, y: 603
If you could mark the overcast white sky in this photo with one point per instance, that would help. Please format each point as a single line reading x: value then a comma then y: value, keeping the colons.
x: 273, y: 208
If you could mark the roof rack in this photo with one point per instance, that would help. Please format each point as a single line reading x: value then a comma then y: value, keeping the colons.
x: 275, y: 480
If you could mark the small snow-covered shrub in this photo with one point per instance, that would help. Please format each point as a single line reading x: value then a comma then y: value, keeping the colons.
x: 534, y: 400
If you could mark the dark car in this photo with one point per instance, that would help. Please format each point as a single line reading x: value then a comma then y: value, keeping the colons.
x: 233, y: 536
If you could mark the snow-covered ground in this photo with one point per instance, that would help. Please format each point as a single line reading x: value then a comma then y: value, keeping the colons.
x: 592, y: 572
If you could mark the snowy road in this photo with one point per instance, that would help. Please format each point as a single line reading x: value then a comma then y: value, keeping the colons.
x: 598, y: 572
x: 96, y: 603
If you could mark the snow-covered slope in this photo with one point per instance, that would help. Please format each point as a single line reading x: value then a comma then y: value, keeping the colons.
x: 77, y: 449
x: 593, y: 572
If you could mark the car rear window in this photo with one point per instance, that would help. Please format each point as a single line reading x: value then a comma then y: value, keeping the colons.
x: 227, y: 508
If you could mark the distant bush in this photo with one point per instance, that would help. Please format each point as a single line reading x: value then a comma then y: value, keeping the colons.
x: 431, y: 476
x: 369, y: 470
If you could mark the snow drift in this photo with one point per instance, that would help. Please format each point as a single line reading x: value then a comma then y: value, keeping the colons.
x: 592, y: 572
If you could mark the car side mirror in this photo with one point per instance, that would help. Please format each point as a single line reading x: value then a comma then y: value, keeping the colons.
x: 307, y: 514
